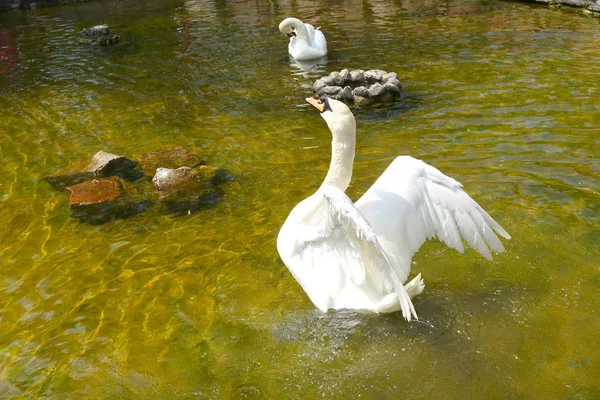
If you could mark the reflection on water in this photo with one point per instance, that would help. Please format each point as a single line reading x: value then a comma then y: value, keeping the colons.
x: 309, y: 69
x: 501, y: 96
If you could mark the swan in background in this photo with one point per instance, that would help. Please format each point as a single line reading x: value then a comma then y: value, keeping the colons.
x: 358, y: 256
x: 306, y: 42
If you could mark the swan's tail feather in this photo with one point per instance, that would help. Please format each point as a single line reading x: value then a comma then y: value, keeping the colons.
x: 415, y: 287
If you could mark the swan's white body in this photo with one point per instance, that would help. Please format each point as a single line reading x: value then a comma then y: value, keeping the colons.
x: 306, y: 42
x: 358, y: 256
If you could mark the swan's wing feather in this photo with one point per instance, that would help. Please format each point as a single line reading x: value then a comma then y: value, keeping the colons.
x: 359, y: 231
x: 310, y: 31
x: 460, y: 211
x: 337, y: 228
x: 316, y: 38
x: 412, y: 201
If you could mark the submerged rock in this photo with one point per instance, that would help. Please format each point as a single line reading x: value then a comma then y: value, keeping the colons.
x: 107, y: 164
x: 94, y: 191
x: 110, y: 187
x: 187, y: 190
x: 168, y: 180
x: 185, y: 203
x: 213, y: 175
x: 102, y: 164
x: 361, y: 96
x: 99, y: 35
x: 101, y: 200
x: 174, y: 157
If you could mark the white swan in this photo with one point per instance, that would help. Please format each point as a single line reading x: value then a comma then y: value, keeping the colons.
x: 358, y: 256
x: 306, y: 42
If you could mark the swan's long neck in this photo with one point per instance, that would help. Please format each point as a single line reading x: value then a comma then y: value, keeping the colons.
x: 301, y: 32
x: 342, y: 153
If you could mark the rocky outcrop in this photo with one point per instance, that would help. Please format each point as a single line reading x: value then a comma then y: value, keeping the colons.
x: 360, y: 87
x: 109, y: 186
x: 591, y: 7
x: 99, y: 35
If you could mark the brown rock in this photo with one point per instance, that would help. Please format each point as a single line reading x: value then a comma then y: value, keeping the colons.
x: 94, y: 191
x: 101, y: 200
x: 363, y: 101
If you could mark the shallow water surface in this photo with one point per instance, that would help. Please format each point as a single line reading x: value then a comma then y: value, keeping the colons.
x: 502, y: 96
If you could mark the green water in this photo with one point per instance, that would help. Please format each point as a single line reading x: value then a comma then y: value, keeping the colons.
x: 502, y: 96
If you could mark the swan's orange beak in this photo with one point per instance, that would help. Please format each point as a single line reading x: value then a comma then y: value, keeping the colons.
x: 291, y: 34
x: 316, y: 103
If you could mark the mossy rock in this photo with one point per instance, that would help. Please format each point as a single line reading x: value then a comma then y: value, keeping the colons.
x: 186, y: 190
x: 101, y: 200
x: 173, y: 157
x: 99, y: 35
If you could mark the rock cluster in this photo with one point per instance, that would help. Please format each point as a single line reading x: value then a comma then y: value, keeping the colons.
x: 109, y: 186
x: 360, y: 87
x: 591, y: 7
x: 98, y: 35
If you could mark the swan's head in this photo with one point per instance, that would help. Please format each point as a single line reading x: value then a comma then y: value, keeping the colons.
x: 287, y: 26
x: 338, y: 116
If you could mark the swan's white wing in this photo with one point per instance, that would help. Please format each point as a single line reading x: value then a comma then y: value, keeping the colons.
x: 310, y: 31
x: 412, y: 201
x: 319, y: 42
x: 316, y: 40
x: 332, y: 242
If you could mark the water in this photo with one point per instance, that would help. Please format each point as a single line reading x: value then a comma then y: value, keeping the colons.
x: 502, y: 96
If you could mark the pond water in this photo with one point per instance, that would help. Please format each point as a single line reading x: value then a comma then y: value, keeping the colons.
x: 502, y: 96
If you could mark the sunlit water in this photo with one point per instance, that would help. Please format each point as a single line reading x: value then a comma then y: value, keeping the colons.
x: 503, y: 96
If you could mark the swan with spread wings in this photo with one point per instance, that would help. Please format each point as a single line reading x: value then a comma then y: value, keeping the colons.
x: 358, y: 255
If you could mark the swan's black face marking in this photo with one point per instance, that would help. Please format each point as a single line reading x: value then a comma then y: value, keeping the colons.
x: 291, y: 34
x: 325, y: 102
